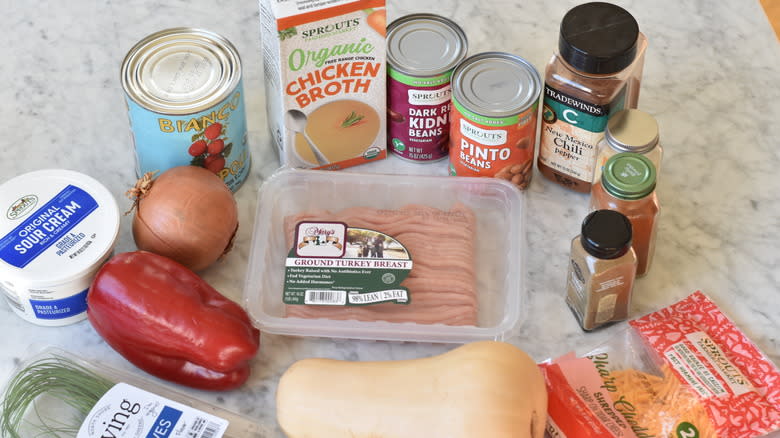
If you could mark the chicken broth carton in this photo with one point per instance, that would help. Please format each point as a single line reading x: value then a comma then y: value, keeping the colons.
x: 324, y: 64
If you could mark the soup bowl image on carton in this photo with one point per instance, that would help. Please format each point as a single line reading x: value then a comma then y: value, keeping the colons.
x: 325, y: 81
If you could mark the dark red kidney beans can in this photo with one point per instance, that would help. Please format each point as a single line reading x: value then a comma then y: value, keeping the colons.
x: 422, y: 52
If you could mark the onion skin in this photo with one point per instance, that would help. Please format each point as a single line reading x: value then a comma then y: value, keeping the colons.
x: 187, y: 214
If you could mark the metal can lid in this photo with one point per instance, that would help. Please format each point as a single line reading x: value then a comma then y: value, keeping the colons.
x: 181, y: 71
x: 632, y: 130
x: 55, y: 226
x: 425, y: 45
x: 496, y: 84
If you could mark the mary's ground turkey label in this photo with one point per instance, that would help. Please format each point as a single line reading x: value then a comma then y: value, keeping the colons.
x: 333, y: 264
x: 419, y: 116
x: 129, y: 412
x: 571, y: 131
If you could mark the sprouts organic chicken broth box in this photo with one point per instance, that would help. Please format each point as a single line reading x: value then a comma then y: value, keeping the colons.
x: 324, y: 64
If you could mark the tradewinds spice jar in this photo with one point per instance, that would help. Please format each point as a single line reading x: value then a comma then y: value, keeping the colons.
x: 185, y: 100
x: 596, y: 73
x: 422, y: 52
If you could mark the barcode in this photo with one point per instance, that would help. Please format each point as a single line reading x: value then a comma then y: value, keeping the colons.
x: 12, y: 299
x: 326, y: 297
x: 210, y: 431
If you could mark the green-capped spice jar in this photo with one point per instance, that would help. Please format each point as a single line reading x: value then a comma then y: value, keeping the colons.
x: 627, y: 185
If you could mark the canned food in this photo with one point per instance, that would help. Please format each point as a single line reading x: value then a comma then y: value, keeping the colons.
x: 185, y: 100
x: 495, y: 97
x: 422, y: 52
x: 57, y: 227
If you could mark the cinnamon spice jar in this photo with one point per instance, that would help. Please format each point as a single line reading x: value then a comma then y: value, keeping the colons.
x: 602, y: 269
x: 596, y: 72
x: 627, y: 185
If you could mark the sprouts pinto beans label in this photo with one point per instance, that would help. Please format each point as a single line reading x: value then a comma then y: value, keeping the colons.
x: 494, y: 116
x: 58, y: 228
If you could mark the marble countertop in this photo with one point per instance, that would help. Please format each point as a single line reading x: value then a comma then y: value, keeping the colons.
x: 710, y: 78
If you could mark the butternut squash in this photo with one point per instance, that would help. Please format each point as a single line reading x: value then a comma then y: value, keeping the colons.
x: 483, y: 389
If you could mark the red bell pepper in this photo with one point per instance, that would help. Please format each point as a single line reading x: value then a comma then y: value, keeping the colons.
x: 169, y: 322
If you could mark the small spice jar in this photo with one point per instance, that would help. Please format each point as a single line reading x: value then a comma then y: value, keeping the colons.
x: 630, y: 130
x: 601, y: 270
x: 627, y: 185
x: 596, y: 73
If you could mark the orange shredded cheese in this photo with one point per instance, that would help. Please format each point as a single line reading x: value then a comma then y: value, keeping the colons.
x: 660, y: 406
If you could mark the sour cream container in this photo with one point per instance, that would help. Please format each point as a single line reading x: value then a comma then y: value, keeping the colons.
x: 57, y: 227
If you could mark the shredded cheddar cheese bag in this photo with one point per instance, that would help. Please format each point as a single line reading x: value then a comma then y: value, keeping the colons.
x: 685, y: 371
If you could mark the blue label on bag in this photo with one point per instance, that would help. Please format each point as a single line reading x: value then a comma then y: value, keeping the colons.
x: 59, y: 309
x: 163, y: 425
x: 45, y: 226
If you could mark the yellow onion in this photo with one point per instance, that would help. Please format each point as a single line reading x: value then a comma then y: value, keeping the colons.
x: 186, y: 214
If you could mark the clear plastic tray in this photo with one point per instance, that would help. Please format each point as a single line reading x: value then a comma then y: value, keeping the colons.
x: 58, y: 413
x: 499, y: 258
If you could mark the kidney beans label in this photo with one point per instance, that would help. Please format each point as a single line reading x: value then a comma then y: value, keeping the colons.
x: 418, y: 116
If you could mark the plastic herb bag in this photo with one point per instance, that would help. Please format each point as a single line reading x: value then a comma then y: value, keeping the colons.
x: 56, y: 394
x: 685, y: 371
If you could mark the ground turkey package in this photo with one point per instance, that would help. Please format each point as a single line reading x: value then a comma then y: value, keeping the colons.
x: 441, y: 286
x: 685, y: 371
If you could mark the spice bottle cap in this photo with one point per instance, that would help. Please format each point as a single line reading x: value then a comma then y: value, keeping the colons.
x: 632, y: 130
x: 629, y: 176
x: 598, y: 38
x: 606, y: 234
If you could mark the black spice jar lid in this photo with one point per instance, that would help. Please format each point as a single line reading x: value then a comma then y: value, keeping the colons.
x: 598, y: 38
x: 606, y: 234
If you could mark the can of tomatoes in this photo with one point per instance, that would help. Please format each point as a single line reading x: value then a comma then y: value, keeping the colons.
x: 495, y: 101
x: 185, y: 100
x: 422, y: 52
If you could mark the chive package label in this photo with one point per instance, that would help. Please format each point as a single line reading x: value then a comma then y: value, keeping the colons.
x: 333, y: 264
x: 126, y: 411
x: 571, y: 130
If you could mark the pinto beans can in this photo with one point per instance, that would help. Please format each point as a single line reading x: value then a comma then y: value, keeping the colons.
x: 185, y: 100
x: 422, y: 52
x: 495, y: 100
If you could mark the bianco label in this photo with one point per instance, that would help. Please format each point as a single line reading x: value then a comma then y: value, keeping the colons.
x: 126, y: 411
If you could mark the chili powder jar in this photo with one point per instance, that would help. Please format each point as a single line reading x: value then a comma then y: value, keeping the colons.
x: 596, y: 72
x: 602, y: 269
x: 627, y: 185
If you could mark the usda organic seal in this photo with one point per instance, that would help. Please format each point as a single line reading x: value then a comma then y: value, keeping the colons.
x: 57, y: 229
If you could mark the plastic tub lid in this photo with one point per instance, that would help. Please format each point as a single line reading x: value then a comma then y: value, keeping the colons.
x: 55, y: 225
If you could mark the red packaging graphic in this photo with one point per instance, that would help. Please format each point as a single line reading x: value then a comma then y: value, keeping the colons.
x: 685, y: 371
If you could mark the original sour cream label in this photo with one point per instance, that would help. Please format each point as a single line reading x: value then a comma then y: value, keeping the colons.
x: 57, y: 227
x: 126, y: 411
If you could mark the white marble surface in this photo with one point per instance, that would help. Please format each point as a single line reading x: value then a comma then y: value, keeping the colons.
x: 710, y: 78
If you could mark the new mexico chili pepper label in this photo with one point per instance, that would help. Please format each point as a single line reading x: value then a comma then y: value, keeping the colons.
x: 333, y: 264
x: 126, y: 411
